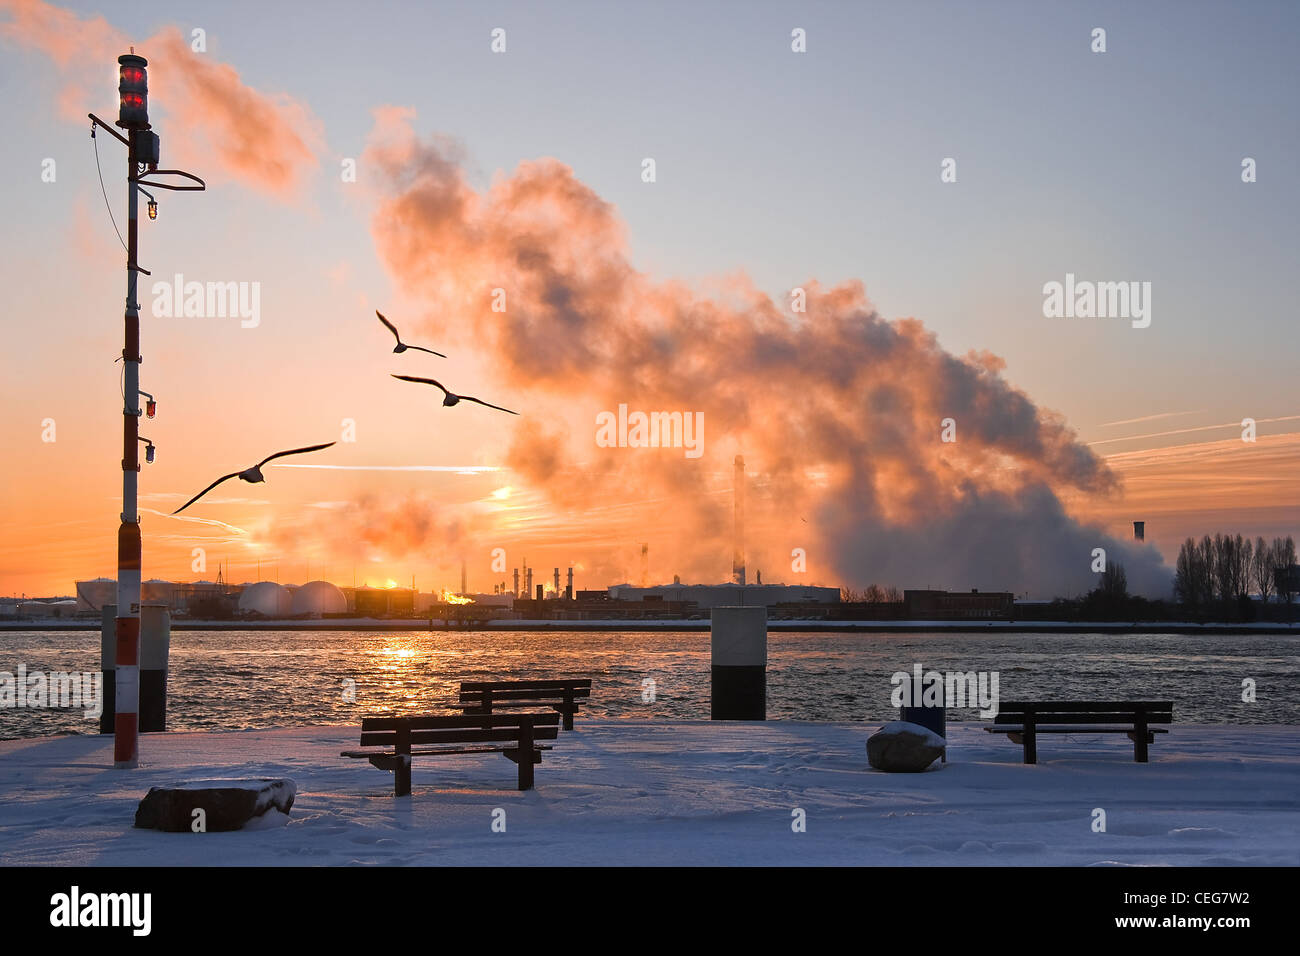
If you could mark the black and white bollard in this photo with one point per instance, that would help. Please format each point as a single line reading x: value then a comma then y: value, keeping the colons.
x: 108, y: 666
x: 739, y: 641
x: 155, y: 647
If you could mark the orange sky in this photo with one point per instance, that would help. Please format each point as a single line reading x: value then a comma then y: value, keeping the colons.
x: 838, y: 409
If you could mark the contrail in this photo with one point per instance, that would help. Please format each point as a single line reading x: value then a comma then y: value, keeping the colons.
x: 1149, y: 418
x: 212, y: 521
x: 1186, y: 431
x: 454, y: 469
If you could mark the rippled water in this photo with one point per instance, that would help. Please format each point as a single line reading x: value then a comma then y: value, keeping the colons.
x: 246, y: 679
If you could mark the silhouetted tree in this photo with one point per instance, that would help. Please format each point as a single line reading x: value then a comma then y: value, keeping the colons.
x: 1261, y: 568
x: 1284, y: 557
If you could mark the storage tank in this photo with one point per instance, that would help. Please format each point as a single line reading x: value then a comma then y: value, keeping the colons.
x: 319, y: 597
x: 158, y: 591
x: 267, y: 599
x: 93, y: 595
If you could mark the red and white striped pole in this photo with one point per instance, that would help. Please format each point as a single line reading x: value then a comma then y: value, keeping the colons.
x: 126, y: 725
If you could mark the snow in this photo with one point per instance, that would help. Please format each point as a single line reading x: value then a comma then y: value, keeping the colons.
x: 243, y: 784
x: 928, y: 736
x: 680, y: 792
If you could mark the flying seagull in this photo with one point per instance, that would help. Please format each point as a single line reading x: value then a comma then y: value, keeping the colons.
x: 451, y: 398
x: 401, y: 346
x: 253, y: 474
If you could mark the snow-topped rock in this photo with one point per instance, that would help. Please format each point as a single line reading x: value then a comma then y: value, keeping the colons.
x: 902, y: 747
x: 224, y: 805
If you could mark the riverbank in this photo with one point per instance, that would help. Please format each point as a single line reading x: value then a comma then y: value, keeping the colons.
x: 617, y: 792
x: 865, y: 627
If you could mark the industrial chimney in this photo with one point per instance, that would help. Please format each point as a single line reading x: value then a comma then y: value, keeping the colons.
x: 645, y: 565
x: 464, y: 589
x: 568, y: 590
x: 1139, y: 530
x: 738, y: 557
x: 557, y: 582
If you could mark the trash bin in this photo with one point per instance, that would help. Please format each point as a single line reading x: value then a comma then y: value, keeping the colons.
x: 931, y: 718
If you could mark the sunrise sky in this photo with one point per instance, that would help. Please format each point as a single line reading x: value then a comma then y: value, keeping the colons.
x: 522, y: 170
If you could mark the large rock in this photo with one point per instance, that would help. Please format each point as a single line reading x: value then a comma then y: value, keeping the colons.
x: 226, y: 805
x: 901, y: 747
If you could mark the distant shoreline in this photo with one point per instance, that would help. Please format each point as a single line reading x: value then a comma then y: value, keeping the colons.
x: 864, y: 627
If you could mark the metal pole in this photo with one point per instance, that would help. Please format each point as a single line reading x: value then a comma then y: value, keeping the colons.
x: 126, y: 728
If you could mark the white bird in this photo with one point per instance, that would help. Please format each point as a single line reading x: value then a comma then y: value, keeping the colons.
x: 451, y: 398
x: 401, y: 346
x: 253, y: 475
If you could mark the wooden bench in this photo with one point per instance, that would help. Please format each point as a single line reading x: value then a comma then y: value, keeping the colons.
x: 1024, y: 721
x: 563, y: 696
x: 515, y: 735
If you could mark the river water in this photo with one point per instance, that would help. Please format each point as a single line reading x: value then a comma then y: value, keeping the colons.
x: 229, y: 680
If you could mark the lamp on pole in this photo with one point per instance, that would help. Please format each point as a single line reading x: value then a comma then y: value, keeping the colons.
x: 142, y: 161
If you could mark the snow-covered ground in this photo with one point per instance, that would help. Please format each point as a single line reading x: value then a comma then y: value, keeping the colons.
x: 681, y: 792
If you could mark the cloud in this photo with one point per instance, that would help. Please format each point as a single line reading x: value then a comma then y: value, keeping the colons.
x: 210, y: 118
x: 836, y: 410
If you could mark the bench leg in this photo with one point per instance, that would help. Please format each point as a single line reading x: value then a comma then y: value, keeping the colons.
x: 1140, y: 741
x: 1031, y: 742
x: 526, y: 756
x: 402, y: 765
x: 402, y: 776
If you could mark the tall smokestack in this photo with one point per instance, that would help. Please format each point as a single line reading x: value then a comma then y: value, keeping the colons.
x: 645, y: 565
x: 529, y: 589
x: 568, y: 590
x: 464, y: 588
x: 557, y: 582
x: 738, y: 557
x: 1139, y: 530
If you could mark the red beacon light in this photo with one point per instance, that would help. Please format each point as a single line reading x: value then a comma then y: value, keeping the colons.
x: 133, y: 92
x: 150, y: 407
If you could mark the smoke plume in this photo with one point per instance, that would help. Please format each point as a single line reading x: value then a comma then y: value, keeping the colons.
x: 837, y: 411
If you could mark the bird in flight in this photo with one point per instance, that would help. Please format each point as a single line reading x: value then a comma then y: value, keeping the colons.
x: 451, y: 398
x: 253, y: 474
x: 402, y: 346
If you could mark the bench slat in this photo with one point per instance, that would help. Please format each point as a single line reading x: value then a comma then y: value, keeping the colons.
x: 452, y: 721
x: 535, y: 684
x: 388, y: 738
x: 540, y: 694
x: 1086, y: 705
x: 1049, y: 729
x: 1098, y: 717
x: 367, y: 754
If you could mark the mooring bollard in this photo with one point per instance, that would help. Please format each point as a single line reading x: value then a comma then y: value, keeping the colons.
x: 155, y: 647
x: 108, y: 666
x: 739, y: 641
